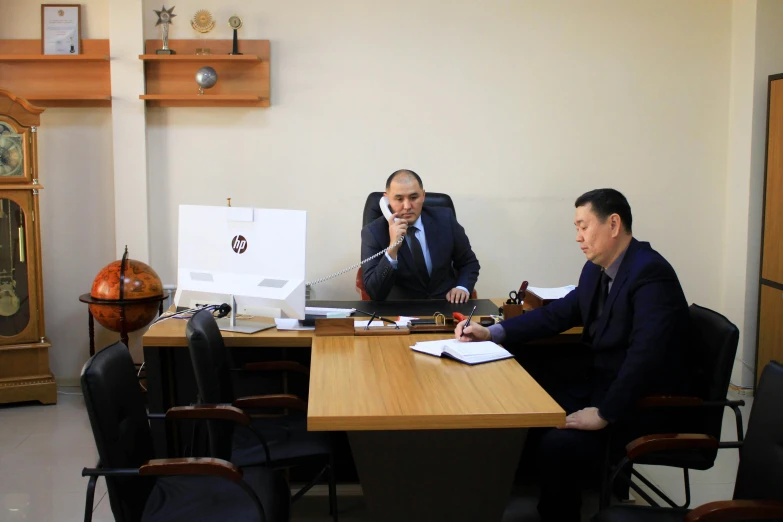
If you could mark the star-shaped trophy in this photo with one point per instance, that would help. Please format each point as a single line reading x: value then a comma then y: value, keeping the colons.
x: 165, y: 18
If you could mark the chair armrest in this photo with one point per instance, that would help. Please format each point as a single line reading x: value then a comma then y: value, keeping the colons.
x: 275, y: 366
x: 669, y: 441
x: 271, y: 401
x: 210, y: 412
x: 192, y: 466
x: 736, y: 510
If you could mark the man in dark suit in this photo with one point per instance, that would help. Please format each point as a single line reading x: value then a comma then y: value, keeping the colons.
x: 429, y: 255
x: 636, y: 324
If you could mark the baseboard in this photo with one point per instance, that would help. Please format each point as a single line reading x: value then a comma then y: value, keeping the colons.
x: 747, y: 391
x: 69, y: 382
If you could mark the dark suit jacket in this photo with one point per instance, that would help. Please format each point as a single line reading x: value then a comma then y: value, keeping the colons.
x: 641, y: 338
x: 453, y: 261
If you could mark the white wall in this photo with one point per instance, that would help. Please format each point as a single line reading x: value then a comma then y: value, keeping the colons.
x: 77, y: 207
x: 757, y: 52
x: 514, y: 108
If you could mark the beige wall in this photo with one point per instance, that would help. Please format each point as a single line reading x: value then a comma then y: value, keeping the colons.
x: 77, y: 207
x: 514, y: 108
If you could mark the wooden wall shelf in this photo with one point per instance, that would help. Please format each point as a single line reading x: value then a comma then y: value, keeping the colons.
x: 81, y: 80
x: 243, y: 80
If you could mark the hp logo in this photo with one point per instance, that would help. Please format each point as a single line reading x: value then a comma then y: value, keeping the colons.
x: 239, y: 244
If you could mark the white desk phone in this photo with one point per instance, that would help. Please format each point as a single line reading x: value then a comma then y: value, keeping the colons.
x: 387, y: 213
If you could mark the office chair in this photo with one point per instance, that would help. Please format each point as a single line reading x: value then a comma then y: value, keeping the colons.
x: 280, y: 441
x: 142, y: 488
x: 372, y: 211
x: 758, y: 490
x: 713, y: 347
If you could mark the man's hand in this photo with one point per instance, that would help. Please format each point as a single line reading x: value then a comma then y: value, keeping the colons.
x: 585, y: 419
x: 473, y: 332
x: 457, y: 295
x: 397, y: 229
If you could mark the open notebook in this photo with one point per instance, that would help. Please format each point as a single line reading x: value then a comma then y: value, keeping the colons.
x: 468, y: 353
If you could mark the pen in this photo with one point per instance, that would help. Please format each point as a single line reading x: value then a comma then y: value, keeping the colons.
x: 468, y: 321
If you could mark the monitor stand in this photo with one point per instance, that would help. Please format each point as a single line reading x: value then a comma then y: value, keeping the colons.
x: 247, y: 327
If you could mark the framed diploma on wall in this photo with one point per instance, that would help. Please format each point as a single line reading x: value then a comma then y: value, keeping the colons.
x: 61, y: 28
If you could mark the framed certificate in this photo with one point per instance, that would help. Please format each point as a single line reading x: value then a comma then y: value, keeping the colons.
x: 61, y: 28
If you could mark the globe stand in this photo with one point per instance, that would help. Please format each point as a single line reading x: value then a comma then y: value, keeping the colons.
x: 121, y: 303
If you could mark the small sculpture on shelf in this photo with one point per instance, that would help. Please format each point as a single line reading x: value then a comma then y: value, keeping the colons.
x: 203, y: 23
x: 206, y: 78
x: 235, y: 23
x: 165, y: 18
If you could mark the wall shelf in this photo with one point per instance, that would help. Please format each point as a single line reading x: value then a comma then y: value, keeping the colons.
x: 94, y: 57
x: 81, y: 80
x: 243, y: 80
x: 200, y: 57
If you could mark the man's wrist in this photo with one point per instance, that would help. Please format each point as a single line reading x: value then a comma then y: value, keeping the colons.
x: 393, y: 262
x: 498, y: 333
x: 463, y: 289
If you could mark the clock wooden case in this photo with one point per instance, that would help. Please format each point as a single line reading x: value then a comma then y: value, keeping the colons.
x: 24, y: 348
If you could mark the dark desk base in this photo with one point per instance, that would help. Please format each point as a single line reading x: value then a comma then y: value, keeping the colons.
x: 437, y: 475
x: 415, y: 308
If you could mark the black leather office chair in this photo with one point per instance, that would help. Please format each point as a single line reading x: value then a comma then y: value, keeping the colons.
x: 278, y: 442
x: 372, y: 211
x: 713, y: 347
x: 758, y: 490
x: 141, y: 488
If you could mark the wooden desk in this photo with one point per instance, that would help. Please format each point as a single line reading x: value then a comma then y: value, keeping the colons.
x: 433, y: 439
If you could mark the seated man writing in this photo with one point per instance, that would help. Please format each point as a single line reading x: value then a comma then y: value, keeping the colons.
x: 433, y: 261
x: 636, y: 324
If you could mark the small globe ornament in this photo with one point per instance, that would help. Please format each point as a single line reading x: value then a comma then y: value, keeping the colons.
x: 115, y: 289
x: 206, y: 78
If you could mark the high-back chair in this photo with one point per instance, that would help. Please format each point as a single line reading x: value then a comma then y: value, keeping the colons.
x: 278, y: 442
x: 758, y: 490
x: 142, y: 488
x: 712, y: 348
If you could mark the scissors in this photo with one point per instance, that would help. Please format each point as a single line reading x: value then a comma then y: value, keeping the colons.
x: 514, y: 298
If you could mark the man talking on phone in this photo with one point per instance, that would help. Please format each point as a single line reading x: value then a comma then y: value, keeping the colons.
x: 429, y: 254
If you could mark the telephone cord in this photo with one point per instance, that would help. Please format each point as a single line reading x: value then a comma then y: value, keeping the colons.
x: 357, y: 265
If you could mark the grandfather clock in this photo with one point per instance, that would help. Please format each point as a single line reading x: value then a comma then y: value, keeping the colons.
x: 24, y: 348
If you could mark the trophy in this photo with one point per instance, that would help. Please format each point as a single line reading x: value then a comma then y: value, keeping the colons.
x: 203, y: 23
x: 235, y: 23
x: 164, y: 18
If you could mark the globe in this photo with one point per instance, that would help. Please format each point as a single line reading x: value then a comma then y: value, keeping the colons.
x: 206, y: 77
x: 138, y: 281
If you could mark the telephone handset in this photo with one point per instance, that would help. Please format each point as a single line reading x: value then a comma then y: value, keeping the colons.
x: 387, y: 213
x: 385, y: 208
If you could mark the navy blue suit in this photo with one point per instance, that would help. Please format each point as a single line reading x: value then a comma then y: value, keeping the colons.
x: 639, y: 348
x: 453, y: 262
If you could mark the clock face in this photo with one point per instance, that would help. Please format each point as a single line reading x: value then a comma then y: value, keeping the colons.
x: 235, y: 22
x: 11, y: 152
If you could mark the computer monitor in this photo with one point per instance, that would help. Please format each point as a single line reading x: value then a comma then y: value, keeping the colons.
x: 250, y: 258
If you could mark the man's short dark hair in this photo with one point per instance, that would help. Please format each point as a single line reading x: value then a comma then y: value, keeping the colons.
x: 606, y: 202
x: 405, y: 172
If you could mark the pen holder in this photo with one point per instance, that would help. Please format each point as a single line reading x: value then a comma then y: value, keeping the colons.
x: 512, y: 310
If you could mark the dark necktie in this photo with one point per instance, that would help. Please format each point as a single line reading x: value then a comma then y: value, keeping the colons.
x: 603, y: 292
x: 418, y: 255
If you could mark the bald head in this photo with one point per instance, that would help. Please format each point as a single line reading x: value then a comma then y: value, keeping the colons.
x: 404, y: 175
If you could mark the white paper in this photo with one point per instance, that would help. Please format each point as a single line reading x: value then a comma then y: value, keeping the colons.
x: 377, y: 323
x: 285, y: 323
x: 551, y: 293
x: 329, y: 312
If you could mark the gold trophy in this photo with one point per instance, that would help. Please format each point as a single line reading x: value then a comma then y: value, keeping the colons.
x: 203, y: 23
